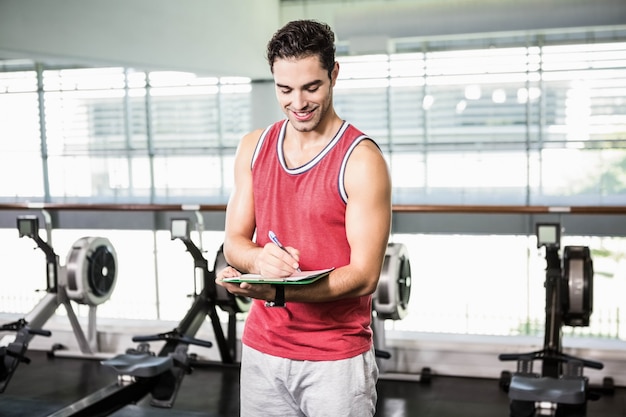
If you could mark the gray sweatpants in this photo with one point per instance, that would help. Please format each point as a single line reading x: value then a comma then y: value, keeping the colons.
x: 273, y: 386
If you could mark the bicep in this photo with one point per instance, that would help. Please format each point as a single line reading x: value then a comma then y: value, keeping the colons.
x: 368, y: 212
x: 240, y: 220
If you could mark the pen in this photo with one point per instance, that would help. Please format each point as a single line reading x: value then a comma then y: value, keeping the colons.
x: 274, y: 239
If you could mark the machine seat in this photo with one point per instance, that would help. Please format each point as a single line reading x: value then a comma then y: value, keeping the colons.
x: 139, y: 364
x: 530, y: 387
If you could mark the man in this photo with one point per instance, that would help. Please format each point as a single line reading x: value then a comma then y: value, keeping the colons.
x: 324, y: 188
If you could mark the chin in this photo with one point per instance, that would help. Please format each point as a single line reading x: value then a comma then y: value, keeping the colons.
x: 304, y: 126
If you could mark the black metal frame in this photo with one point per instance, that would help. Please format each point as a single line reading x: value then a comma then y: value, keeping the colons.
x: 164, y: 386
x: 552, y: 357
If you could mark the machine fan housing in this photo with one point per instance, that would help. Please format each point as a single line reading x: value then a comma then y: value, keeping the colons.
x: 578, y: 291
x: 91, y: 268
x: 225, y: 300
x: 391, y: 299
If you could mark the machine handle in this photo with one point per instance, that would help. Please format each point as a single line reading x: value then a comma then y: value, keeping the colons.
x: 40, y: 332
x: 22, y: 324
x: 510, y: 356
x: 173, y: 336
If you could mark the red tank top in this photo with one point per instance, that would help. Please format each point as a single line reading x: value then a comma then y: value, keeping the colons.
x: 306, y: 208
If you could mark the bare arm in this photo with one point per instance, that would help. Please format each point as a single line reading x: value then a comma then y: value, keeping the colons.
x: 240, y: 250
x: 368, y: 224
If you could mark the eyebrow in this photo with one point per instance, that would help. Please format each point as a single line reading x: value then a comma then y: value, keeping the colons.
x: 305, y: 86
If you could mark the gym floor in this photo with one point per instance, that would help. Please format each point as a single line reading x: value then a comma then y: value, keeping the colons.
x: 49, y: 384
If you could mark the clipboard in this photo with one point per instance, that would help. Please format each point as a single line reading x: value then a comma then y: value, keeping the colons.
x: 298, y: 278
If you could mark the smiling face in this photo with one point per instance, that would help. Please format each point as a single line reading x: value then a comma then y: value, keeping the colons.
x: 304, y: 91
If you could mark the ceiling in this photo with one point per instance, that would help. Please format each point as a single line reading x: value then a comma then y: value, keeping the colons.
x: 220, y: 38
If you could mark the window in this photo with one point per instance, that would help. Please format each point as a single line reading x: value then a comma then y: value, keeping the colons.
x: 20, y: 136
x: 118, y: 135
x: 532, y: 120
x: 521, y: 120
x: 534, y: 124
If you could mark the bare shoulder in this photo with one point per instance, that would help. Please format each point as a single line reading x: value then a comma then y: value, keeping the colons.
x: 251, y: 139
x: 367, y: 156
x: 367, y: 168
x: 246, y: 147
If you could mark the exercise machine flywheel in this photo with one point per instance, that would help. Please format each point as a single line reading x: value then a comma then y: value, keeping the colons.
x: 91, y: 267
x: 391, y: 299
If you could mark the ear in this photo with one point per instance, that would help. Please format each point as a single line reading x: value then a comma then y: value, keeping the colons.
x: 334, y: 73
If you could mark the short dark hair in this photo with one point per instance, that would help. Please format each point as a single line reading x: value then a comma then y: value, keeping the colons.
x: 301, y: 39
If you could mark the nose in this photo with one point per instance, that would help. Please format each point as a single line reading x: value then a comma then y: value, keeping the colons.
x: 299, y: 100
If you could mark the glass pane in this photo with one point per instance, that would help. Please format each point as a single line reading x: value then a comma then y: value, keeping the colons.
x: 85, y: 121
x: 476, y: 177
x: 235, y: 111
x: 99, y: 179
x: 448, y: 292
x: 182, y: 178
x: 407, y: 116
x: 581, y: 176
x: 448, y: 285
x: 177, y: 273
x: 133, y: 297
x: 24, y: 272
x: 20, y: 144
x: 185, y: 117
x: 586, y: 86
x: 459, y: 297
x: 364, y: 107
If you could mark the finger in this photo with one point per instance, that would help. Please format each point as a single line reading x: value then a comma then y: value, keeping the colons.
x: 294, y: 253
x: 288, y: 256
